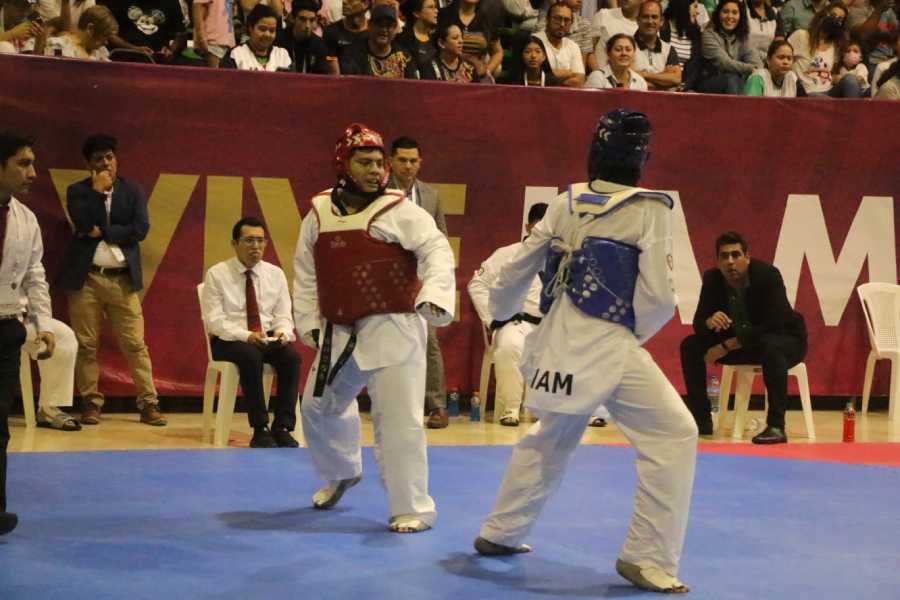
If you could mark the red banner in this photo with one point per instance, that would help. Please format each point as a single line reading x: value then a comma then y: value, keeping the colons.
x: 811, y: 183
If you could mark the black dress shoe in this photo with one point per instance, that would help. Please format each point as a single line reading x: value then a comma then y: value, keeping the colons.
x: 8, y: 522
x: 262, y: 438
x: 284, y: 439
x: 770, y: 435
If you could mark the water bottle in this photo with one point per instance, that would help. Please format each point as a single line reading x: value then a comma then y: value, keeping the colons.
x: 849, y: 423
x: 475, y: 410
x: 712, y: 392
x: 453, y: 403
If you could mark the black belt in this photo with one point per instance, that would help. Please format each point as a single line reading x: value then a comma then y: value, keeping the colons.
x: 325, y: 373
x: 516, y: 319
x: 109, y: 270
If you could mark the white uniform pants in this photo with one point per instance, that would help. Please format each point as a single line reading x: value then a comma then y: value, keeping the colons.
x: 58, y: 371
x: 653, y: 417
x: 331, y: 427
x: 507, y: 344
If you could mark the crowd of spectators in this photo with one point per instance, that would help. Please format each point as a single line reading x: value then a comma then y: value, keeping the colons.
x: 829, y: 48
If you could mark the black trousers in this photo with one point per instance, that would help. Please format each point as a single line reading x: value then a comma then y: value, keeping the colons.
x: 776, y: 354
x: 249, y: 360
x: 12, y: 336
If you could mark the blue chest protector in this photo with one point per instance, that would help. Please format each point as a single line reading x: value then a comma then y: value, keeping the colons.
x: 599, y: 279
x: 600, y: 276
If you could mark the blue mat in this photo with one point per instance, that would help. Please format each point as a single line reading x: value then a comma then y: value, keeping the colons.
x: 237, y: 524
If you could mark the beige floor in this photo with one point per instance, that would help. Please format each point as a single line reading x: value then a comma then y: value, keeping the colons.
x: 121, y: 431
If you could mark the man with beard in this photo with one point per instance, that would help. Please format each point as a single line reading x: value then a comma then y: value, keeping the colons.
x: 743, y: 317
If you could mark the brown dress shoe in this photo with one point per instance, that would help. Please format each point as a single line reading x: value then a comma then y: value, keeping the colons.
x: 437, y: 419
x: 90, y: 415
x: 151, y: 416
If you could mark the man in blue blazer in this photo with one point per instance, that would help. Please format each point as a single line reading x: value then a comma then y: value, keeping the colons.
x: 102, y: 275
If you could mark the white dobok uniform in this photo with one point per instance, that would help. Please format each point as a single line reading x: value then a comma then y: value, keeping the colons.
x: 389, y: 359
x: 508, y: 341
x: 574, y: 362
x: 58, y: 371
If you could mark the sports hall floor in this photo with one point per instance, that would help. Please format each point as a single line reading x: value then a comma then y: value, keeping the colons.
x: 124, y: 511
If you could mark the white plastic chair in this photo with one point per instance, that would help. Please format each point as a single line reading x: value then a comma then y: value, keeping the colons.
x: 487, y: 361
x: 745, y: 376
x: 27, y: 389
x: 227, y: 387
x: 881, y: 307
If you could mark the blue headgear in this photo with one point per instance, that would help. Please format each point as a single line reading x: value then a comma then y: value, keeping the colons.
x: 621, y: 141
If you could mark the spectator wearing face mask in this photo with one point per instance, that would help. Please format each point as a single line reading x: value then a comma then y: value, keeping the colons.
x: 818, y: 54
x: 852, y: 65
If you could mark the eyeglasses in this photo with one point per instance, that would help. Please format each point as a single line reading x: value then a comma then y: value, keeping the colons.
x: 253, y: 241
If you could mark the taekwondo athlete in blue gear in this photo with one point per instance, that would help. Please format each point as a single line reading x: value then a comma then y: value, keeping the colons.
x: 606, y: 249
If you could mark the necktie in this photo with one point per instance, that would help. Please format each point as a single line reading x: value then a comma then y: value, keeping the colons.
x: 4, y: 216
x: 253, y: 323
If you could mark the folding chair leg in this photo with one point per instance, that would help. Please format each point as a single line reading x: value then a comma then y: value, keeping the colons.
x: 209, y: 397
x: 741, y: 401
x: 894, y: 393
x: 725, y: 392
x: 867, y: 381
x: 806, y: 402
x: 227, y: 398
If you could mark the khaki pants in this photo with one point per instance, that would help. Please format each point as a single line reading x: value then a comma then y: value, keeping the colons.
x: 112, y: 295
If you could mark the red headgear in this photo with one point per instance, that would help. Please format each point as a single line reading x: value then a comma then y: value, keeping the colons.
x: 356, y: 136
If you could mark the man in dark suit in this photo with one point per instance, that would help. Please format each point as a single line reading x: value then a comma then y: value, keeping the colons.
x: 406, y: 160
x: 102, y: 275
x: 743, y: 317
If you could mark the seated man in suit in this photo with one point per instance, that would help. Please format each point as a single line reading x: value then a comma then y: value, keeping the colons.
x: 247, y: 309
x: 406, y: 160
x: 743, y: 317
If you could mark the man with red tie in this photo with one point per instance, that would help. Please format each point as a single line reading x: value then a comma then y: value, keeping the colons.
x: 247, y: 309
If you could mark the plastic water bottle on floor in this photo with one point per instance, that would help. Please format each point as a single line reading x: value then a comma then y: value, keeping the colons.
x: 475, y: 407
x: 453, y: 403
x: 712, y: 392
x: 849, y: 423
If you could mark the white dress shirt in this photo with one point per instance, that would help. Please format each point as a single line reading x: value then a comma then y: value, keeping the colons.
x: 109, y: 255
x: 225, y: 300
x: 23, y: 282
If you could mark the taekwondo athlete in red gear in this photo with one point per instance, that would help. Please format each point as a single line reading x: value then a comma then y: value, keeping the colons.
x: 369, y: 271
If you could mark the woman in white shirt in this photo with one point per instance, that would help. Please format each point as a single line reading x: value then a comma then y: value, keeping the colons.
x: 617, y: 72
x: 259, y: 53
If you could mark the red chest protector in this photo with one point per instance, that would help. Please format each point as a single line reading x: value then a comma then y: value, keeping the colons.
x: 356, y: 274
